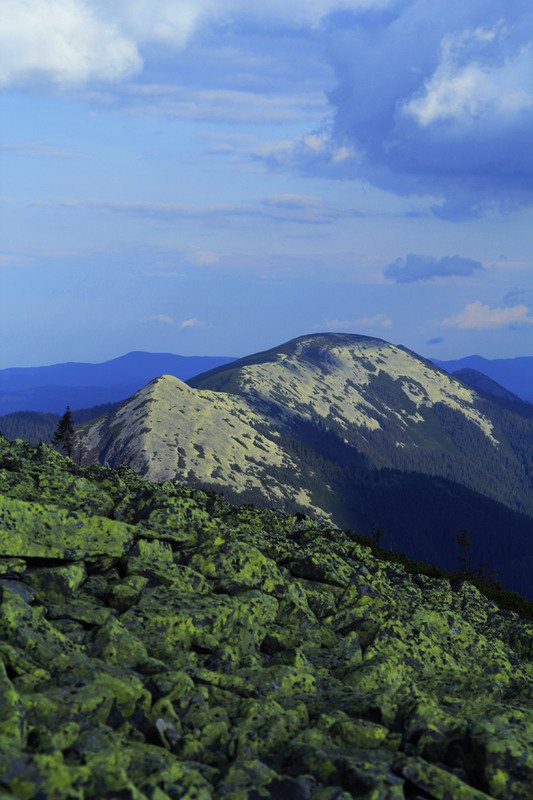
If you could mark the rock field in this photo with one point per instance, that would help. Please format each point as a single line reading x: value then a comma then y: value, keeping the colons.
x: 157, y: 643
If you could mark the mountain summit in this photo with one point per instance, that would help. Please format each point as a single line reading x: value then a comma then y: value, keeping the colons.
x: 349, y: 380
x: 359, y: 432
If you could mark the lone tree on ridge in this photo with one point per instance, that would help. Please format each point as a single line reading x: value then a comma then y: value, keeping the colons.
x: 463, y: 540
x: 64, y: 434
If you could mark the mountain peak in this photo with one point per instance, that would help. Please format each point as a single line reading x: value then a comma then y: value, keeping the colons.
x: 363, y: 379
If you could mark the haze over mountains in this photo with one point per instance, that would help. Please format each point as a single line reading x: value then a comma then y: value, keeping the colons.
x: 352, y: 429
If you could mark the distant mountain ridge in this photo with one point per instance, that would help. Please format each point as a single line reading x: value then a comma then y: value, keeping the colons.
x: 356, y: 431
x: 482, y: 383
x: 82, y: 385
x: 515, y: 374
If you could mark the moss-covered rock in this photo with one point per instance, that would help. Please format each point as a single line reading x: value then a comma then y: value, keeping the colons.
x: 31, y: 530
x: 157, y: 643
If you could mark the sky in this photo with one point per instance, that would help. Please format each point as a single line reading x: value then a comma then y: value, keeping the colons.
x: 215, y: 177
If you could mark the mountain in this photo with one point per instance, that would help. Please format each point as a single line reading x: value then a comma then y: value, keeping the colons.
x: 157, y: 642
x: 79, y: 385
x: 516, y: 374
x: 358, y: 432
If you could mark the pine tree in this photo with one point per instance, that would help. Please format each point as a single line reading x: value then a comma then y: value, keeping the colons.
x: 64, y: 435
x: 463, y: 540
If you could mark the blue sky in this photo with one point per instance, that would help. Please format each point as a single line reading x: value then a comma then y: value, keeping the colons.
x: 196, y: 177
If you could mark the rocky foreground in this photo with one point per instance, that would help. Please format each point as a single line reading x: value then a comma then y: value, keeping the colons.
x: 156, y: 642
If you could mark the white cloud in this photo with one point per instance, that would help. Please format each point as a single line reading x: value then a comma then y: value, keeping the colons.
x: 64, y: 40
x: 479, y: 316
x: 159, y: 318
x: 312, y: 146
x: 436, y: 100
x: 190, y: 323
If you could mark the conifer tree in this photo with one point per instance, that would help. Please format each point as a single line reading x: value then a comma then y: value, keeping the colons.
x: 463, y: 540
x: 64, y: 435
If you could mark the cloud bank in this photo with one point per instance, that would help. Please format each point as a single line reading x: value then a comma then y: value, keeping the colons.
x: 437, y: 99
x: 429, y: 99
x: 73, y: 42
x: 416, y: 268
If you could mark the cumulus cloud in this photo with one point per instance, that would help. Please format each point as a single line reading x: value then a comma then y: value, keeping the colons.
x: 190, y: 323
x: 474, y: 89
x: 416, y: 268
x: 67, y: 41
x: 317, y: 153
x: 430, y: 99
x: 479, y: 316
